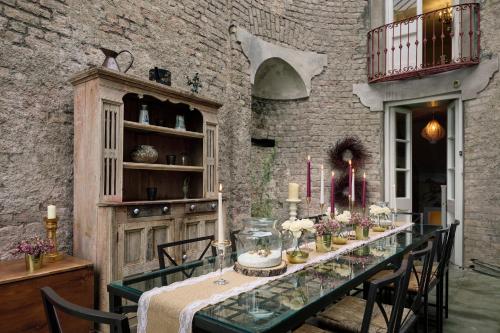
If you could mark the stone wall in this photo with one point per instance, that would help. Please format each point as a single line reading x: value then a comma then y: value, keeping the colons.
x: 43, y: 42
x: 482, y: 155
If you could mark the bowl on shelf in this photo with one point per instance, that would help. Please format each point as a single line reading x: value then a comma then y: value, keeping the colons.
x: 144, y: 154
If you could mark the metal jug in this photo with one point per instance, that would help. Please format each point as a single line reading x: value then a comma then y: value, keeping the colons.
x: 110, y: 60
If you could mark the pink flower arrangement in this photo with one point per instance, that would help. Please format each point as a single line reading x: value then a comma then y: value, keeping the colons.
x: 360, y: 220
x: 327, y: 226
x: 34, y: 246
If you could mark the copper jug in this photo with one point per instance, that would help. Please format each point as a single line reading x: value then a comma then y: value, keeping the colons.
x: 110, y: 61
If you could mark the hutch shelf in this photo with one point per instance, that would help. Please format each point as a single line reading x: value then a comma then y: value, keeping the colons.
x: 116, y: 226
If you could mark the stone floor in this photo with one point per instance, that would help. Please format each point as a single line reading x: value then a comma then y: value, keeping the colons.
x: 474, y: 302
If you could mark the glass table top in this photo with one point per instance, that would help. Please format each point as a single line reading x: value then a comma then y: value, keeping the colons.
x: 271, y: 304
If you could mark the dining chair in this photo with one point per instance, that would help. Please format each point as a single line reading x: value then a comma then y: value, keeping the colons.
x: 205, y: 241
x: 353, y: 314
x: 418, y: 286
x: 53, y: 303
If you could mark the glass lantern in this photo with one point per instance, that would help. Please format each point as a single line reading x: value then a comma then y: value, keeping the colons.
x: 259, y: 244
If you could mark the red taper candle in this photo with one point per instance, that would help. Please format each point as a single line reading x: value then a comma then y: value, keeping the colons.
x: 332, y: 195
x: 308, y: 184
x: 363, y: 196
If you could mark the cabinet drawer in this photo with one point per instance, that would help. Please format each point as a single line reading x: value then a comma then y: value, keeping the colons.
x: 200, y: 207
x: 149, y: 210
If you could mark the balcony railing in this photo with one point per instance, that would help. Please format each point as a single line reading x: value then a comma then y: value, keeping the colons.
x: 429, y: 43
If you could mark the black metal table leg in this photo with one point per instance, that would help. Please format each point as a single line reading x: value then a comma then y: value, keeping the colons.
x: 115, y: 303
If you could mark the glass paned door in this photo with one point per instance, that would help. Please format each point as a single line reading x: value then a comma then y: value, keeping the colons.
x: 399, y: 158
x: 403, y: 36
x: 454, y: 176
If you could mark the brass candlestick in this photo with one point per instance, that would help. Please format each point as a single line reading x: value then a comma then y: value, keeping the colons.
x: 321, y: 208
x: 51, y: 226
x: 308, y: 201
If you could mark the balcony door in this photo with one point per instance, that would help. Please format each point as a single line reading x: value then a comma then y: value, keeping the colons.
x: 404, y: 46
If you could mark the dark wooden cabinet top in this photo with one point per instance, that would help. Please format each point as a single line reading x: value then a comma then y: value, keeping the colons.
x: 15, y: 270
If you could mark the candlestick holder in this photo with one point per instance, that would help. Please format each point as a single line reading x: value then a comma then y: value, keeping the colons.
x: 308, y: 201
x: 321, y: 208
x: 293, y: 208
x: 221, y: 253
x: 51, y: 227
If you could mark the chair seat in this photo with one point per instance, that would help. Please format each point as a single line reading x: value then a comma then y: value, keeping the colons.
x: 308, y: 328
x: 347, y: 315
x: 413, y: 283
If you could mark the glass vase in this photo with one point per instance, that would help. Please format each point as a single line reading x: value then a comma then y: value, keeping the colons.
x: 362, y: 233
x: 299, y: 252
x: 324, y: 243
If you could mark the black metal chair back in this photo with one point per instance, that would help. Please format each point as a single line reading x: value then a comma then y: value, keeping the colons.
x: 400, y: 278
x: 447, y: 239
x: 427, y: 255
x: 162, y: 252
x: 52, y: 301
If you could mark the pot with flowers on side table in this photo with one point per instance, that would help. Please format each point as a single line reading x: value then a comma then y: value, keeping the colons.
x: 34, y: 250
x: 298, y: 253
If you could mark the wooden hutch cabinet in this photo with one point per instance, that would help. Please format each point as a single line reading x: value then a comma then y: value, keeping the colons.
x: 116, y: 226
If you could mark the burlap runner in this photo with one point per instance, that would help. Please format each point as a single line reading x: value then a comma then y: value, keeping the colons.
x: 165, y: 308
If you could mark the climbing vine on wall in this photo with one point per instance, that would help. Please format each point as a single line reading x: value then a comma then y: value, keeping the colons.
x: 262, y: 206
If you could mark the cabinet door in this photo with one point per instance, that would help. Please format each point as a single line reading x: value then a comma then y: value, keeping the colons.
x: 137, y: 241
x: 193, y: 226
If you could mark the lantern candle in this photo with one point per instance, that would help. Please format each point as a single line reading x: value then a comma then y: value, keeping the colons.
x: 220, y: 222
x: 51, y: 212
x: 293, y: 191
x: 332, y: 195
x: 363, y: 194
x: 322, y: 187
x: 308, y: 181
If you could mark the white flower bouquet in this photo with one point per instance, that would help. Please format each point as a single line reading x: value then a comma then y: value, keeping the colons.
x: 298, y: 227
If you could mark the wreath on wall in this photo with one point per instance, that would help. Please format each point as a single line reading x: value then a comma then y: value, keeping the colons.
x: 349, y: 148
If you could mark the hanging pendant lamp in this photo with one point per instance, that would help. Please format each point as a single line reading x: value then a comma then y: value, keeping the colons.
x: 433, y: 131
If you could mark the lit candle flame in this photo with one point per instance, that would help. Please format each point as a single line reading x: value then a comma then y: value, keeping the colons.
x: 333, y: 173
x: 308, y: 157
x: 220, y: 187
x: 364, y: 174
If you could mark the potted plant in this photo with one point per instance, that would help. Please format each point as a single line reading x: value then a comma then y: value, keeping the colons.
x: 362, y: 224
x: 298, y: 253
x: 34, y: 249
x: 324, y: 233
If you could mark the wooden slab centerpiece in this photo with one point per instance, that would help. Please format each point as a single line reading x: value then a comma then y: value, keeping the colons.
x: 261, y: 272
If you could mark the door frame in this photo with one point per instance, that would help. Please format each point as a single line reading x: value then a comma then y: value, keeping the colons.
x: 457, y: 257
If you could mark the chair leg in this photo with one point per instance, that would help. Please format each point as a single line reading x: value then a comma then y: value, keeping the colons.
x: 439, y: 307
x: 446, y: 296
x: 426, y: 313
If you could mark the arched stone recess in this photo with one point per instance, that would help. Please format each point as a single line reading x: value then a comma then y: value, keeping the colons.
x: 468, y: 82
x: 278, y: 72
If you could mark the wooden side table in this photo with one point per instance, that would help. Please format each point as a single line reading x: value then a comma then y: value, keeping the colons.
x: 21, y: 308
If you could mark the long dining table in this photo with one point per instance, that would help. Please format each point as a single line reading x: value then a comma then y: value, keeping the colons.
x: 284, y: 303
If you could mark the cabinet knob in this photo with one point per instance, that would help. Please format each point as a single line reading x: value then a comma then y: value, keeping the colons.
x: 165, y: 209
x: 213, y: 205
x: 136, y: 211
x: 192, y: 207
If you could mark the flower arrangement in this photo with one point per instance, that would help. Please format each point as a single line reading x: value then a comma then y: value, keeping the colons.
x: 344, y: 218
x: 365, y: 222
x: 35, y: 246
x: 298, y: 227
x: 379, y: 211
x: 327, y: 226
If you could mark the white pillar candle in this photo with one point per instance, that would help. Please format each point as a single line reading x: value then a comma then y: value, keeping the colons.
x: 220, y: 221
x: 51, y: 212
x: 293, y: 191
x: 353, y: 197
x: 322, y: 187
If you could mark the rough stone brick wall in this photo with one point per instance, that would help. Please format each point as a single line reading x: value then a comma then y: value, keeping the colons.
x: 43, y: 42
x: 482, y: 155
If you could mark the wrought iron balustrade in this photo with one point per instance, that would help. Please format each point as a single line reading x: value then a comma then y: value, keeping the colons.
x: 433, y: 42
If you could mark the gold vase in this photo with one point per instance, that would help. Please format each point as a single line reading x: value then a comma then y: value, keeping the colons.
x: 362, y: 233
x: 33, y: 262
x: 339, y: 240
x: 297, y: 256
x: 324, y: 243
